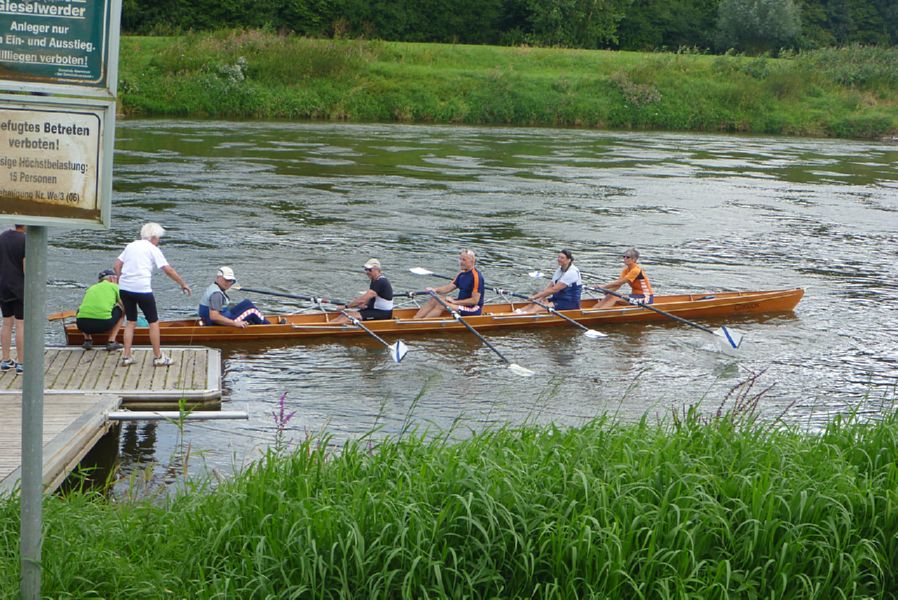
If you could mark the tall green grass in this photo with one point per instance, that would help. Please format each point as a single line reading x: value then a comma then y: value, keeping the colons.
x: 698, y: 509
x: 848, y: 92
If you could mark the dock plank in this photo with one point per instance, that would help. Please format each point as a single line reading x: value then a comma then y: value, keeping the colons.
x: 72, y: 424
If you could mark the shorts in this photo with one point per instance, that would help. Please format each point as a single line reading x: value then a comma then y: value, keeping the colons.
x: 642, y: 298
x: 471, y: 311
x: 13, y: 308
x: 375, y: 314
x: 91, y: 326
x: 561, y: 305
x: 146, y: 302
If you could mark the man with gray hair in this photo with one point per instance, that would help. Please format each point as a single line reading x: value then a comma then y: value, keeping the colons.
x: 134, y: 270
x: 470, y: 286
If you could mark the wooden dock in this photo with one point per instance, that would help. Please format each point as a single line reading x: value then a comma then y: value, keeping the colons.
x: 82, y: 387
x: 195, y: 376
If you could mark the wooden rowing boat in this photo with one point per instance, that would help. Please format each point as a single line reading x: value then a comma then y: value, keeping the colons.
x: 499, y: 315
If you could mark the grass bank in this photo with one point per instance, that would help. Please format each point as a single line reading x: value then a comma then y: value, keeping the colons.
x: 850, y: 92
x: 694, y: 510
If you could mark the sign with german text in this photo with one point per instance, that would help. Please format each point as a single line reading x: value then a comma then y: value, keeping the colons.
x: 52, y: 162
x: 55, y: 41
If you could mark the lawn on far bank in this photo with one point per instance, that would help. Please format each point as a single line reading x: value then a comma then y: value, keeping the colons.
x: 848, y: 92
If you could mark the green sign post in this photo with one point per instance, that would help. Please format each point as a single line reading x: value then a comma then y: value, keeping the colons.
x: 63, y: 42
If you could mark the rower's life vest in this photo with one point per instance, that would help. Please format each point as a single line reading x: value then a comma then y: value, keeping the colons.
x: 639, y: 282
x: 203, y: 310
x: 569, y: 297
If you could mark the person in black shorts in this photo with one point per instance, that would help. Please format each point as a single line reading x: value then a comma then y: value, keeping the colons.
x: 377, y: 303
x: 12, y: 296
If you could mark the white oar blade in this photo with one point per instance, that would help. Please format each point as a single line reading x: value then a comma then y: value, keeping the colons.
x: 592, y: 333
x: 398, y: 351
x: 519, y: 370
x: 420, y: 271
x: 536, y: 274
x: 729, y: 339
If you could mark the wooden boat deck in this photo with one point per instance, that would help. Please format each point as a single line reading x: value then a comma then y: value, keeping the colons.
x: 82, y: 387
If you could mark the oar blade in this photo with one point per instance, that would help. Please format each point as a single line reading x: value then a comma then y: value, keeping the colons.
x: 592, y: 333
x: 536, y: 274
x: 398, y: 351
x: 729, y: 339
x: 519, y: 370
x: 420, y: 271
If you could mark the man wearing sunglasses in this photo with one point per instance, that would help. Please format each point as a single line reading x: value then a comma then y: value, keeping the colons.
x: 377, y: 303
x: 634, y: 275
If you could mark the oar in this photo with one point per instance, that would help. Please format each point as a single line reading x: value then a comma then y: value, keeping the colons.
x: 590, y: 333
x: 514, y: 368
x: 728, y: 338
x: 313, y: 299
x: 397, y: 350
x: 732, y: 339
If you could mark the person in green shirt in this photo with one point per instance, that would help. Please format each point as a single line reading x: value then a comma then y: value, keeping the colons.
x: 101, y: 311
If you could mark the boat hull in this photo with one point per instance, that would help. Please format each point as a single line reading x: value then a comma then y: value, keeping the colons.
x: 496, y: 316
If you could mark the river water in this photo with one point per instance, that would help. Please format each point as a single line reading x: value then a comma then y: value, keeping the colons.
x: 300, y: 207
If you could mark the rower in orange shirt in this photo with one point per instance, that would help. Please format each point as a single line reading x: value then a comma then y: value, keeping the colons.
x: 633, y: 274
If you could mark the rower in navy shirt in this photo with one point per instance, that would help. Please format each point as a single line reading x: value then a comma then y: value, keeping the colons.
x: 470, y: 286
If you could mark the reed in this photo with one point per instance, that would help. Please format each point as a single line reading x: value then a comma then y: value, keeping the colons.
x: 705, y: 507
x: 847, y: 92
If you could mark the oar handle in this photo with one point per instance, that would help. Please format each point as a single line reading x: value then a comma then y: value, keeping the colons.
x: 459, y: 318
x: 636, y: 302
x: 313, y: 299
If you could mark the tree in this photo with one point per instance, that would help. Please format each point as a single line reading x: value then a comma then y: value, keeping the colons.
x: 575, y: 23
x: 757, y: 25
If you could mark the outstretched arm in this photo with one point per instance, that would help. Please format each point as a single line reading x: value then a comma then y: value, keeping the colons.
x: 170, y: 271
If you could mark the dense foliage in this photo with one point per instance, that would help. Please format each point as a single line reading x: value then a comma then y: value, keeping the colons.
x: 617, y: 24
x: 717, y: 509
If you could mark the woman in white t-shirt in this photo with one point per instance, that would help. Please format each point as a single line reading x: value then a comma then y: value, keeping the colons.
x: 135, y: 267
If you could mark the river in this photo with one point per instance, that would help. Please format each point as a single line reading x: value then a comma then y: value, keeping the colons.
x: 300, y: 208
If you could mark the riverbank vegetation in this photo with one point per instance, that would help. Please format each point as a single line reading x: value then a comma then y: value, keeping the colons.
x: 703, y: 508
x: 846, y: 92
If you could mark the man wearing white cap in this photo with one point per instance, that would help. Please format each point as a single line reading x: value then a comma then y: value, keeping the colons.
x: 377, y: 303
x: 214, y: 309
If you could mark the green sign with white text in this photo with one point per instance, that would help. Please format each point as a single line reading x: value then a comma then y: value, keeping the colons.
x: 55, y: 41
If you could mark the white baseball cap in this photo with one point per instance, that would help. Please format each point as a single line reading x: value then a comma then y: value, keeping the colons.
x: 227, y: 273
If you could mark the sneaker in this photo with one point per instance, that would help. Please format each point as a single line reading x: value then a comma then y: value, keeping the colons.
x: 6, y: 365
x: 19, y: 368
x: 127, y: 360
x: 282, y: 321
x: 519, y: 311
x: 88, y: 345
x: 112, y: 346
x: 163, y: 361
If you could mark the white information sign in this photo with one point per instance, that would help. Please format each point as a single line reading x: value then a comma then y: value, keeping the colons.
x: 53, y: 162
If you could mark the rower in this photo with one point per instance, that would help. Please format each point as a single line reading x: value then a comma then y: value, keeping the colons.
x: 634, y: 275
x: 470, y: 286
x: 213, y: 309
x: 564, y: 291
x: 376, y: 304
